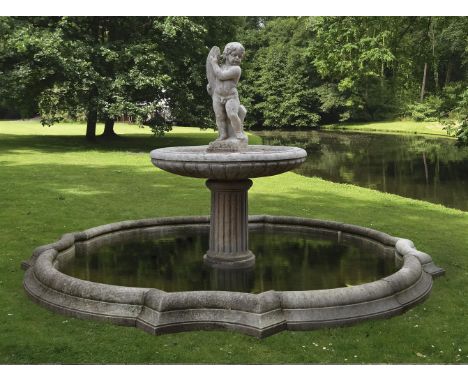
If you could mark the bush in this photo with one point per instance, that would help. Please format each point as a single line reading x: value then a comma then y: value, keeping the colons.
x: 430, y: 110
x: 457, y: 125
x: 452, y: 94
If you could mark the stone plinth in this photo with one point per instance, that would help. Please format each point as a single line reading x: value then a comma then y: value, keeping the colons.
x: 229, y: 240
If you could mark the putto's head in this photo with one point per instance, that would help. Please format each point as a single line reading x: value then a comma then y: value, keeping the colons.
x: 234, y: 53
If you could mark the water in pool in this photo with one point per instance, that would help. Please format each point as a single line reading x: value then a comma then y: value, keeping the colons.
x: 284, y: 261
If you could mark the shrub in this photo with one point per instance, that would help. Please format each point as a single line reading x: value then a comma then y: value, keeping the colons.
x: 428, y: 111
x: 457, y: 125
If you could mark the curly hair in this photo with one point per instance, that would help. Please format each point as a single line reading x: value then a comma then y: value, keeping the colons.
x: 233, y: 46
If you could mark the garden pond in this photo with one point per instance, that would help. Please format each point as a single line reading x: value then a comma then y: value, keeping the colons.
x: 427, y: 168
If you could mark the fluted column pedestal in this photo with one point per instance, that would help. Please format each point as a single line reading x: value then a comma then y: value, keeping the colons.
x: 229, y: 236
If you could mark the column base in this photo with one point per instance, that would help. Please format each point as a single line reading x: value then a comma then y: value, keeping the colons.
x: 230, y: 261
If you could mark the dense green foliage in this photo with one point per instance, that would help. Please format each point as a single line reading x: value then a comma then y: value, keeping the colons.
x: 53, y: 183
x: 278, y: 85
x: 299, y: 72
x: 305, y: 71
x: 459, y: 124
x: 148, y: 69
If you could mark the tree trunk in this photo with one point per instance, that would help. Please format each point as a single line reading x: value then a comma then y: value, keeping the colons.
x: 426, y: 171
x: 382, y: 72
x: 435, y: 64
x: 109, y: 128
x: 423, y: 86
x: 436, y: 78
x: 449, y: 72
x: 91, y: 125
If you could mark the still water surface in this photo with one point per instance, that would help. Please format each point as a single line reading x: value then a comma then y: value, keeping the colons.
x: 419, y: 167
x: 284, y: 261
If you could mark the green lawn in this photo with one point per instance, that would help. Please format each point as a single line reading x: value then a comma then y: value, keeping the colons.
x: 53, y: 182
x: 399, y: 127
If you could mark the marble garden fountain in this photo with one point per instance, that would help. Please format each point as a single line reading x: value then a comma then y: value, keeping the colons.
x: 232, y: 292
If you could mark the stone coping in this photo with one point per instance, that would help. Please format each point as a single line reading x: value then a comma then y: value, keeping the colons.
x: 256, y: 153
x: 260, y: 315
x: 256, y: 161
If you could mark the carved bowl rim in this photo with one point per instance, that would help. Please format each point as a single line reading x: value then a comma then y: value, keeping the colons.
x: 253, y: 153
x: 262, y: 314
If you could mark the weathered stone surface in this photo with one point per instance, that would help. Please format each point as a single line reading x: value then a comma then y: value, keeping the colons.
x: 229, y: 238
x: 253, y: 162
x: 223, y: 73
x: 260, y: 315
x: 406, y: 247
x: 228, y: 145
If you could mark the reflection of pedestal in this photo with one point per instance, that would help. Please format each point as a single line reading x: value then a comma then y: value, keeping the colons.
x: 229, y: 240
x: 235, y: 280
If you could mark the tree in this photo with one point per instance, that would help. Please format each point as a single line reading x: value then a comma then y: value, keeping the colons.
x: 186, y: 42
x: 354, y: 55
x: 437, y: 46
x: 278, y: 83
x: 458, y: 125
x: 22, y: 79
x: 101, y: 68
x: 298, y: 71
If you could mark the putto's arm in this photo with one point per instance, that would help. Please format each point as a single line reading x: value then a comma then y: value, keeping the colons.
x: 231, y: 73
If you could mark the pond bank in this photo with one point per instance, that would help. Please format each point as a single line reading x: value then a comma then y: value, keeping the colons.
x: 394, y: 127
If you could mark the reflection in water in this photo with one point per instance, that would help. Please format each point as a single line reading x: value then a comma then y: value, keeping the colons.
x: 418, y: 167
x: 284, y: 261
x: 240, y: 280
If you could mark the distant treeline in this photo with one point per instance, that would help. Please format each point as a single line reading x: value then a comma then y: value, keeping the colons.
x: 298, y: 72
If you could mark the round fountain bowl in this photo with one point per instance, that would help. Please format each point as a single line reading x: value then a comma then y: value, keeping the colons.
x: 253, y: 162
x: 259, y: 306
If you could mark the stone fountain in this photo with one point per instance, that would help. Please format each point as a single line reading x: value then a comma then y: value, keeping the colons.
x: 228, y: 163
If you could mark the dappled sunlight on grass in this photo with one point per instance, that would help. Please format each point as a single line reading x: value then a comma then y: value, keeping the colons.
x: 27, y: 144
x: 406, y: 126
x: 34, y: 127
x: 80, y: 191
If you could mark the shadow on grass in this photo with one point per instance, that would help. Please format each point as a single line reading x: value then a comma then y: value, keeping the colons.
x: 132, y: 143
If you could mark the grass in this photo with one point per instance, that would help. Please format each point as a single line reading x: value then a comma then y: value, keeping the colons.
x: 53, y: 182
x: 398, y: 127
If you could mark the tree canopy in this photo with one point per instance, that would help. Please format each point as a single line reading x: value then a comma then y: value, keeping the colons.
x: 299, y: 72
x: 149, y: 69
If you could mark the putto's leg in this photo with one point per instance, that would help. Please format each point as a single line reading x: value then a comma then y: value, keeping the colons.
x: 222, y: 128
x: 242, y: 113
x: 232, y: 110
x: 221, y: 119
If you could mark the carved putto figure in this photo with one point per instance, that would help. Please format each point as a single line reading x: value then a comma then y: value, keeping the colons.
x: 223, y: 73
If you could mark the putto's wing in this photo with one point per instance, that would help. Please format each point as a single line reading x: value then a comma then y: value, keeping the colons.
x: 210, y: 75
